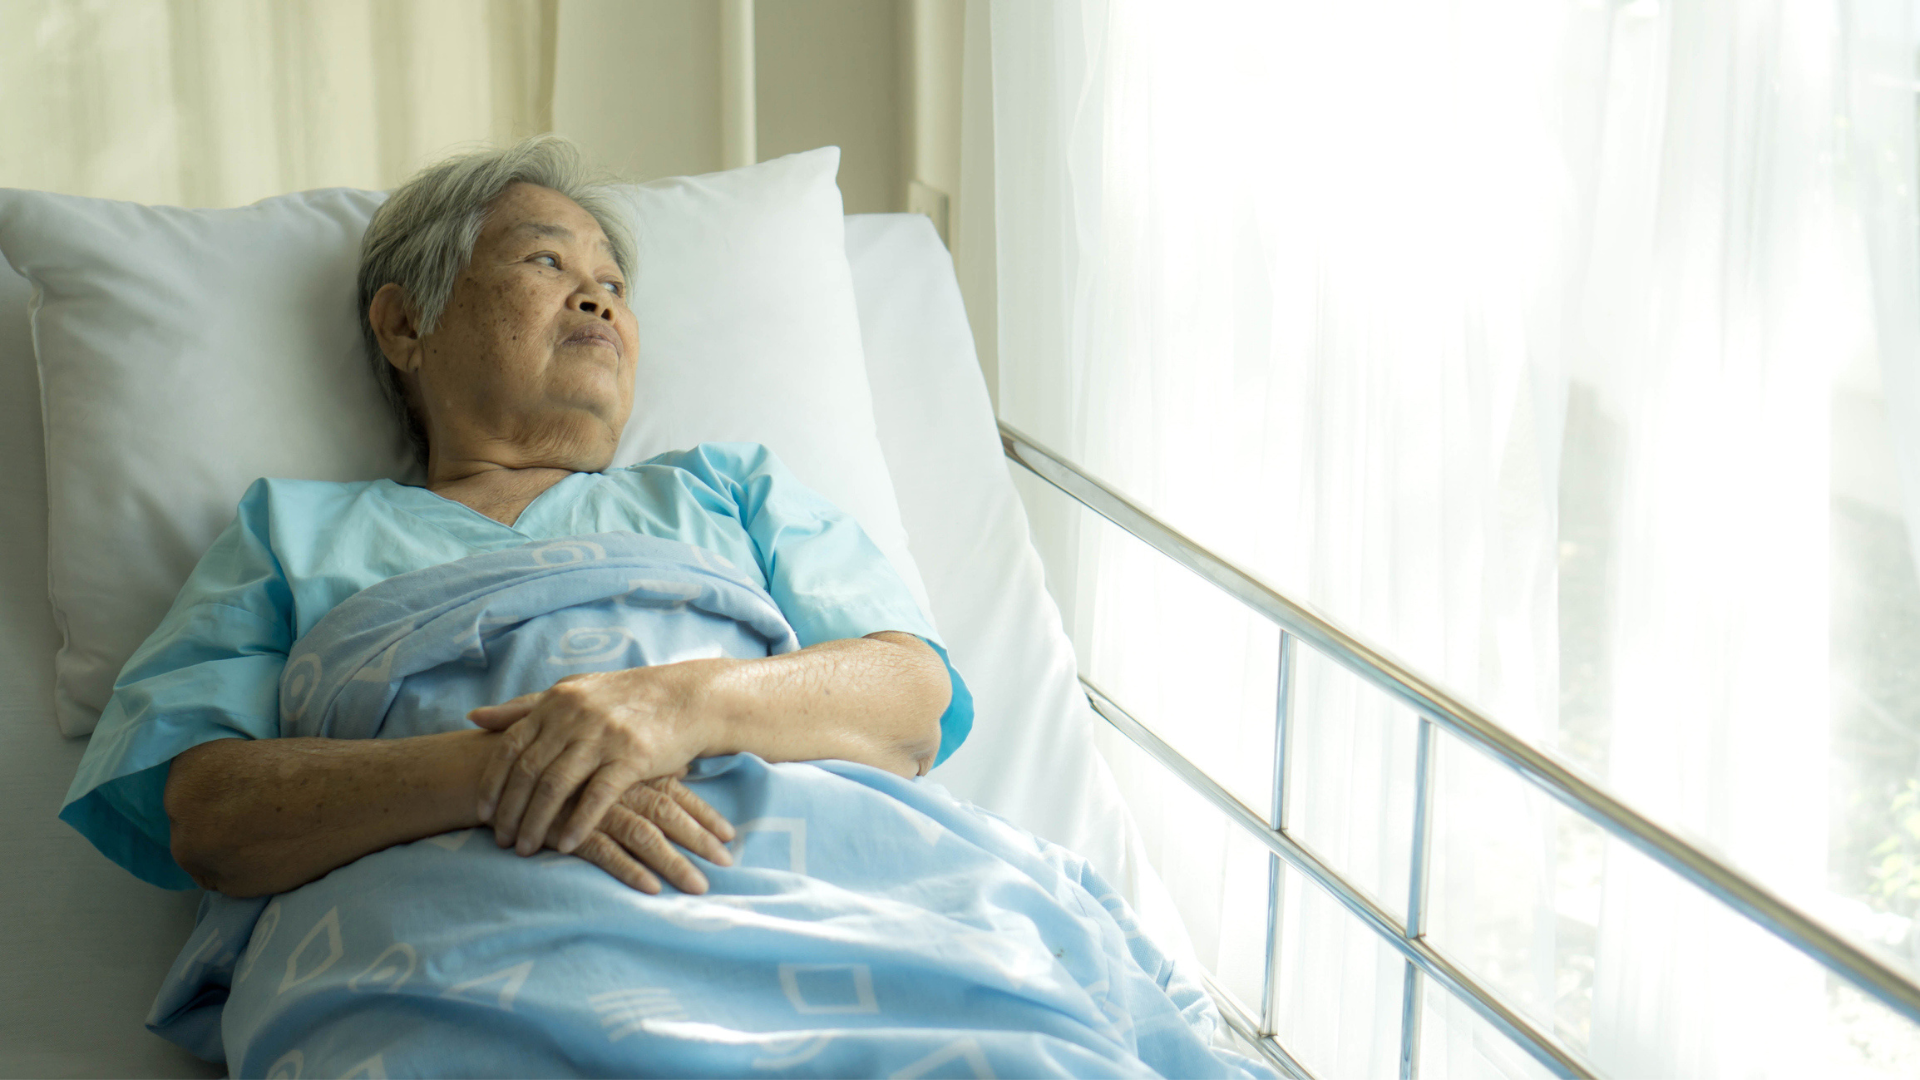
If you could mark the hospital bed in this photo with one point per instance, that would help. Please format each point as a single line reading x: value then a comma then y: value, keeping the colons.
x: 85, y: 945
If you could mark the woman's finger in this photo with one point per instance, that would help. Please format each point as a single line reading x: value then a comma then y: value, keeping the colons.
x: 604, y: 852
x: 522, y: 774
x: 494, y: 776
x: 647, y: 844
x: 651, y: 801
x: 600, y: 792
x: 527, y: 700
x: 710, y: 832
x: 499, y: 717
x: 559, y: 782
x: 709, y: 818
x: 555, y: 792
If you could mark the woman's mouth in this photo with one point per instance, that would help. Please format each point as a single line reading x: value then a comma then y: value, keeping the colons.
x: 589, y: 335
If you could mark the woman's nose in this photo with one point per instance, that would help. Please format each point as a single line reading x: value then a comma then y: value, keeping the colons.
x: 590, y: 304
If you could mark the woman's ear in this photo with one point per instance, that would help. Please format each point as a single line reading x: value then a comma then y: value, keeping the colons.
x: 395, y: 327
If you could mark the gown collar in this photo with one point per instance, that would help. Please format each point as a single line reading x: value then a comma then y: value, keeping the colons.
x: 536, y: 518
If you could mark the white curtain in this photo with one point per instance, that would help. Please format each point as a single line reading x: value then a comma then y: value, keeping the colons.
x: 1722, y: 290
x: 1428, y: 313
x: 223, y: 102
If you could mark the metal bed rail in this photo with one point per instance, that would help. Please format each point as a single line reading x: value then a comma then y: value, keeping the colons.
x: 1436, y: 709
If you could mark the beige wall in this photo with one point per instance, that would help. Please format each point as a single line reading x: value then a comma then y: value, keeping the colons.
x: 637, y: 84
x: 828, y: 71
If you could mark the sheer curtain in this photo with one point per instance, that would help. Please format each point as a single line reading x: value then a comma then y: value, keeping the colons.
x: 223, y: 102
x: 1508, y: 334
x: 1722, y: 291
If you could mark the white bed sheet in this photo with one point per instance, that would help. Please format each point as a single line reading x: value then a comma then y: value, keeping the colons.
x: 1030, y: 756
x: 83, y: 945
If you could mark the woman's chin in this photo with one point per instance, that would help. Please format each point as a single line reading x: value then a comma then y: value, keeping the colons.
x: 578, y: 439
x: 595, y: 391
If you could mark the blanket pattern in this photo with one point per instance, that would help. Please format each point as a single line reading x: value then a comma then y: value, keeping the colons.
x: 870, y: 926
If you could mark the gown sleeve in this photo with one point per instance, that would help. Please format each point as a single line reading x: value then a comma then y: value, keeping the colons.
x: 210, y: 671
x: 828, y: 577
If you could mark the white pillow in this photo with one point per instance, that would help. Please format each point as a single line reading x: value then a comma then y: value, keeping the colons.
x: 750, y: 332
x: 184, y: 353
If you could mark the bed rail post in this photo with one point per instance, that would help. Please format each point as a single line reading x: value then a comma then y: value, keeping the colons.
x: 1277, y: 818
x: 1410, y: 1011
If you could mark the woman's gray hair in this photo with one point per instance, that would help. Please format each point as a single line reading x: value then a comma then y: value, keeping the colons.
x: 422, y: 237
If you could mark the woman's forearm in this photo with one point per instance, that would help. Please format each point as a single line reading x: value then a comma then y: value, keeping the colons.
x: 254, y: 817
x: 875, y: 700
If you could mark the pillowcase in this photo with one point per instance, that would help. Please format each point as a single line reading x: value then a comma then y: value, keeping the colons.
x: 184, y: 353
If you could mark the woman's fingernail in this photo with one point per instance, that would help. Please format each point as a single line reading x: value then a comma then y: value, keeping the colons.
x: 568, y: 843
x: 726, y: 857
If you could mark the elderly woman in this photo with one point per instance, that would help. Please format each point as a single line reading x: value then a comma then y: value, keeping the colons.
x: 358, y: 674
x: 493, y: 291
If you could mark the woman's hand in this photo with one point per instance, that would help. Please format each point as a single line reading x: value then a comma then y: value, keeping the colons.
x: 585, y: 741
x: 631, y: 840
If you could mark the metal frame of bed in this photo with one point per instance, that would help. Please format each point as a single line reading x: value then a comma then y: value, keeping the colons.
x: 1437, y: 711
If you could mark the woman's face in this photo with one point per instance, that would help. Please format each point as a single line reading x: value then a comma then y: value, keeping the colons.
x: 532, y: 363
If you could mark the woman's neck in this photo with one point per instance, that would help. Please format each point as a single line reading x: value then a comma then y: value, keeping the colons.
x: 499, y: 493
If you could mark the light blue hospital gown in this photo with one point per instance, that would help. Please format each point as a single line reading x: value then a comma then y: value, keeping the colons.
x: 903, y: 933
x: 297, y: 548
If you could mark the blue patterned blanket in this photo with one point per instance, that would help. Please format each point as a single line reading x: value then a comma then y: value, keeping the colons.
x: 870, y: 926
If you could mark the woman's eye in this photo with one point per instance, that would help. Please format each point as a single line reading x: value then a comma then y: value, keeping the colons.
x: 551, y: 261
x: 617, y: 288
